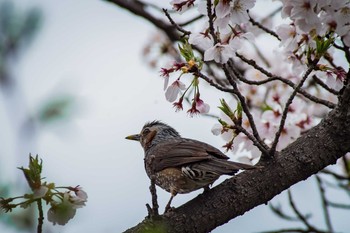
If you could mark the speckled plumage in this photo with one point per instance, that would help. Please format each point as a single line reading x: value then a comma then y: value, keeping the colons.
x: 181, y: 165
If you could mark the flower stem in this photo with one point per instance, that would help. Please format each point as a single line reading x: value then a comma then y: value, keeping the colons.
x: 41, y: 216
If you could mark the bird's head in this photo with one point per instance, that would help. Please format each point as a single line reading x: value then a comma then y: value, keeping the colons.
x: 153, y: 133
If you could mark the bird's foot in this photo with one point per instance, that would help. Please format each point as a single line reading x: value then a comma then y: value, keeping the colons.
x: 152, y: 212
x: 168, y: 209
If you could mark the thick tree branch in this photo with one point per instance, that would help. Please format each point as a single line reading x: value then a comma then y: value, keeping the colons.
x: 312, y: 152
x: 315, y: 150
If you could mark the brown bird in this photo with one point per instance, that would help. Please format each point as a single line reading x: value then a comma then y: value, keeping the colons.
x: 181, y: 165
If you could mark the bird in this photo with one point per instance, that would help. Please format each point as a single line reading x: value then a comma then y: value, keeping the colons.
x: 181, y: 165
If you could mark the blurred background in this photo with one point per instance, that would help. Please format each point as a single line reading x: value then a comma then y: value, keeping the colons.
x: 73, y: 83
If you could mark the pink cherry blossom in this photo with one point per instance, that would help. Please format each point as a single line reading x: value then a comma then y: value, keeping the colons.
x: 202, y: 107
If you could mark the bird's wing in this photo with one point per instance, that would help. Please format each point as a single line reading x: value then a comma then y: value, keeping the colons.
x: 175, y: 153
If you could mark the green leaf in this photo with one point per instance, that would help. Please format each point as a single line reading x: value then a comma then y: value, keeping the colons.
x: 226, y: 109
x: 266, y: 107
x: 223, y: 123
x: 33, y: 172
x: 239, y: 110
x: 186, y: 51
x: 323, y: 44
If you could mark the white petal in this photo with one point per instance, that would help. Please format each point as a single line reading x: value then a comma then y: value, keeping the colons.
x: 222, y: 9
x: 204, y: 108
x: 209, y: 54
x: 181, y: 85
x: 171, y: 93
x: 166, y: 82
x: 217, y: 129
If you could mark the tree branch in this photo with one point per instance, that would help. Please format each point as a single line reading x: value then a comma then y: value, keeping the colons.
x: 324, y: 204
x: 230, y: 77
x: 273, y: 77
x: 318, y: 148
x: 300, y: 216
x: 262, y: 27
x: 286, y: 107
x: 174, y: 24
x: 138, y: 8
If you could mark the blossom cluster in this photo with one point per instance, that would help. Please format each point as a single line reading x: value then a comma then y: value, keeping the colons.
x: 267, y: 121
x: 312, y: 24
x: 64, y: 208
x: 310, y: 18
x: 231, y: 16
x: 310, y: 34
x: 191, y: 66
x: 63, y: 204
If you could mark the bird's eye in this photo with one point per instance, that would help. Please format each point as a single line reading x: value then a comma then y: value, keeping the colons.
x: 146, y: 131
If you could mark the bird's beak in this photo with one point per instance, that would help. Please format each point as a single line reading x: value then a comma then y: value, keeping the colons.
x: 135, y: 137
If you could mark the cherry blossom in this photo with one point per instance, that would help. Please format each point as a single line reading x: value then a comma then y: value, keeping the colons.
x: 335, y: 82
x: 60, y: 213
x: 288, y: 36
x: 173, y: 90
x: 181, y: 5
x: 201, y: 106
x: 309, y: 24
x: 40, y: 192
x: 219, y: 53
x: 178, y: 105
x: 217, y: 129
x: 234, y: 11
x: 198, y: 106
x: 203, y: 40
x: 80, y: 197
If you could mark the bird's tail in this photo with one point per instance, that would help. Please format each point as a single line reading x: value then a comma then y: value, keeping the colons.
x: 222, y: 167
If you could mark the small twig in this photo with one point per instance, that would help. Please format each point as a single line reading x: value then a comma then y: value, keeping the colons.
x: 138, y: 8
x: 191, y: 20
x: 262, y: 146
x: 41, y: 216
x: 273, y: 13
x: 338, y: 205
x: 339, y: 185
x: 346, y: 50
x: 269, y: 31
x: 324, y: 204
x: 322, y: 84
x: 273, y: 77
x: 153, y: 190
x: 253, y: 139
x: 260, y: 54
x: 212, y: 83
x: 210, y: 21
x: 300, y: 216
x: 286, y: 107
x: 152, y: 212
x: 278, y: 211
x: 335, y: 175
x: 175, y: 24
